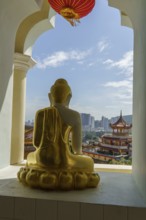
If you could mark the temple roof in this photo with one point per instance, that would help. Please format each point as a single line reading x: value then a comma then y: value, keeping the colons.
x: 120, y: 123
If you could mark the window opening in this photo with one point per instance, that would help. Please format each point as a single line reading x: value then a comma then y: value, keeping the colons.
x: 96, y: 58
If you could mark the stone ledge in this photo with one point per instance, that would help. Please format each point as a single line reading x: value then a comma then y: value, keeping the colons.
x: 117, y: 189
x: 113, y: 168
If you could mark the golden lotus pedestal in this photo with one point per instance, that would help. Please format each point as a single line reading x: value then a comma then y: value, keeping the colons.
x: 57, y: 179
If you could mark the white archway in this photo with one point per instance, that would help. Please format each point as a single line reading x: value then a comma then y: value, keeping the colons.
x: 19, y: 29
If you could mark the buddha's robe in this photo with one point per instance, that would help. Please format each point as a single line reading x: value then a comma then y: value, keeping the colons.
x: 52, y: 143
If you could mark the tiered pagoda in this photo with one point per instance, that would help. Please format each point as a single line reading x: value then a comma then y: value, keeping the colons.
x: 117, y: 144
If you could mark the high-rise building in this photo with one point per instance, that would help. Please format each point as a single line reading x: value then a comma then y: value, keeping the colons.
x: 92, y: 123
x: 105, y: 123
x: 86, y: 121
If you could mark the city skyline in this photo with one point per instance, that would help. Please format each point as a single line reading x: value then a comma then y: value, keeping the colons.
x: 112, y: 119
x: 96, y: 58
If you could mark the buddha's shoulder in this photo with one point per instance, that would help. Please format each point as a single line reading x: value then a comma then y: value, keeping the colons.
x: 72, y: 112
x: 43, y: 110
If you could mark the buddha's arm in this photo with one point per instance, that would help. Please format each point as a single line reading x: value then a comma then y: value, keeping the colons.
x: 77, y: 136
x: 38, y: 128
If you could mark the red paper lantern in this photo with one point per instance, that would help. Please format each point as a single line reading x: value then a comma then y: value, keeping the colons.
x: 72, y: 10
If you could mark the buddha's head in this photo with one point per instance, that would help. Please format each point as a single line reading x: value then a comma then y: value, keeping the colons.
x: 60, y: 92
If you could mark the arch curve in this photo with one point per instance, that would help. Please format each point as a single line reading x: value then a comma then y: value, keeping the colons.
x: 32, y: 26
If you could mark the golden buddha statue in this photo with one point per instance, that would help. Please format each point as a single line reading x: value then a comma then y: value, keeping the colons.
x: 55, y: 164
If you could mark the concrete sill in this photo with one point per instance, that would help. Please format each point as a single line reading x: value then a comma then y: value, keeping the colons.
x: 115, y: 188
x: 113, y: 168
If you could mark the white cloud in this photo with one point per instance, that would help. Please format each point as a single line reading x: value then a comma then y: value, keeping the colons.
x: 80, y: 62
x: 121, y: 90
x: 60, y: 57
x: 108, y: 61
x: 102, y: 45
x: 125, y: 64
x: 123, y: 96
x: 117, y: 84
x: 91, y: 64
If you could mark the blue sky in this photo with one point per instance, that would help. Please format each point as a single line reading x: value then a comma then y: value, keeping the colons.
x: 95, y: 57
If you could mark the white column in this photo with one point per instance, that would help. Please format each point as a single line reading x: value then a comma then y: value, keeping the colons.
x: 139, y: 100
x: 22, y: 63
x: 136, y: 12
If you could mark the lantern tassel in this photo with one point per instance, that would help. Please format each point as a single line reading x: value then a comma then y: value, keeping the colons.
x: 70, y: 15
x: 73, y: 22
